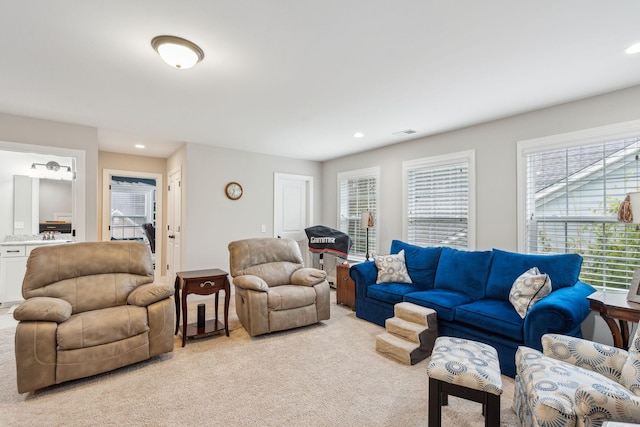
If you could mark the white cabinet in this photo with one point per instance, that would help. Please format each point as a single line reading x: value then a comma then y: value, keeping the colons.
x: 13, y: 265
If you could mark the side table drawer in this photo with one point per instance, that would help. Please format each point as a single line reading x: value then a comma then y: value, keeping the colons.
x: 205, y: 287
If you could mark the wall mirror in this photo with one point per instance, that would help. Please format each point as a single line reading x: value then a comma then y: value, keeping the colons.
x: 30, y: 196
x: 38, y: 201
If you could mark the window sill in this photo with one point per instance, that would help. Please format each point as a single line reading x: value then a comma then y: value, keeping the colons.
x: 611, y: 290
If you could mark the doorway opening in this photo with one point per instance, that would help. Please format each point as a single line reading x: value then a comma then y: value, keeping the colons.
x: 132, y: 207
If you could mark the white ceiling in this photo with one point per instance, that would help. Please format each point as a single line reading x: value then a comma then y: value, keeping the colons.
x: 298, y: 78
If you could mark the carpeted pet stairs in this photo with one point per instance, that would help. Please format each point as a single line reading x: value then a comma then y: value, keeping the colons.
x: 410, y: 334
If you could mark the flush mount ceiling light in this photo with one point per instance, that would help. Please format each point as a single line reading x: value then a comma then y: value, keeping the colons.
x: 177, y: 52
x: 358, y: 135
x: 633, y: 49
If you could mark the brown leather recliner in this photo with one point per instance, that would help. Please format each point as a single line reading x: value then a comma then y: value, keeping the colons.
x: 274, y: 291
x: 89, y: 308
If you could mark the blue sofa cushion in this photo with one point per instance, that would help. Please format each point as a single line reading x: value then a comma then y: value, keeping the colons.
x: 563, y: 270
x: 392, y: 293
x: 443, y: 301
x: 421, y: 262
x: 493, y: 316
x: 463, y: 271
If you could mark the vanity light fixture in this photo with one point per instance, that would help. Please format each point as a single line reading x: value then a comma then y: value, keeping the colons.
x: 177, y: 52
x: 51, y: 166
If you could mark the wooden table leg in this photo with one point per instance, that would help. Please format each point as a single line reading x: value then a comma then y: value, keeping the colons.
x: 217, y: 305
x: 435, y: 403
x: 624, y: 331
x: 615, y: 330
x: 176, y: 300
x: 227, y: 297
x: 184, y: 318
x: 492, y: 412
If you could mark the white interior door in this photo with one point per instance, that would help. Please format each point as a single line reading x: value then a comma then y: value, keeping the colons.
x: 174, y: 225
x: 293, y: 209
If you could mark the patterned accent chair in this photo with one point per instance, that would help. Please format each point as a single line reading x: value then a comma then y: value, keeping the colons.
x: 575, y: 382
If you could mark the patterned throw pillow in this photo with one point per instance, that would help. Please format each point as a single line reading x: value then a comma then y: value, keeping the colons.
x: 528, y: 289
x: 391, y: 268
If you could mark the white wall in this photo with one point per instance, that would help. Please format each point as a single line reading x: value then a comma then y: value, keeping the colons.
x: 28, y: 131
x: 495, y: 147
x: 210, y: 220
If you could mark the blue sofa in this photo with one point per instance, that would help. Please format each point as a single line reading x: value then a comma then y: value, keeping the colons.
x: 470, y: 292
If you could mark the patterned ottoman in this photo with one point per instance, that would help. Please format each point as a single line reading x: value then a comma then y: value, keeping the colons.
x: 466, y: 369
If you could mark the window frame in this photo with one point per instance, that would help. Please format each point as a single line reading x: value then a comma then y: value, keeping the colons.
x: 467, y: 156
x: 565, y: 140
x: 361, y: 173
x: 585, y: 137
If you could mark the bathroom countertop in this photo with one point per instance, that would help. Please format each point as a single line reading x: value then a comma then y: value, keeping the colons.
x: 34, y: 242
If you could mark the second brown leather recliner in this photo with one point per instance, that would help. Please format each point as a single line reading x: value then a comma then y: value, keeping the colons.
x: 273, y: 289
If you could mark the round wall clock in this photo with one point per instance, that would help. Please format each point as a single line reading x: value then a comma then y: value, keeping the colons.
x: 233, y: 190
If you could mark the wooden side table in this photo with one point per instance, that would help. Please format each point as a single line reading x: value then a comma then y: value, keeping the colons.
x: 201, y: 282
x: 345, y: 287
x: 614, y: 306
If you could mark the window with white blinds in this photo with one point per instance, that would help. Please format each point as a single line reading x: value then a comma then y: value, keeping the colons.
x: 438, y: 197
x: 132, y: 204
x: 358, y: 192
x: 572, y: 194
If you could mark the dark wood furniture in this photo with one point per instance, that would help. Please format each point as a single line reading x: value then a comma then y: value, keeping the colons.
x: 614, y: 306
x: 345, y: 287
x: 201, y: 282
x: 439, y: 392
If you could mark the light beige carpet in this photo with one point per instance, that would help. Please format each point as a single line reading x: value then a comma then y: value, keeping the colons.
x: 323, y: 375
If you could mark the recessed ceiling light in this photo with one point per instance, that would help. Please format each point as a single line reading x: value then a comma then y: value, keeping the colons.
x: 141, y: 146
x: 358, y: 135
x: 633, y: 49
x: 177, y: 52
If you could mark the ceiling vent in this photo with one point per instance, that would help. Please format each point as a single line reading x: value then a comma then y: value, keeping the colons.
x: 404, y: 132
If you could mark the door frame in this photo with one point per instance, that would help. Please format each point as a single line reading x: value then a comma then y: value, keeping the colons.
x: 106, y: 209
x: 175, y: 266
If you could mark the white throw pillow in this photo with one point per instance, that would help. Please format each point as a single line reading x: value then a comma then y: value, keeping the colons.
x: 391, y: 268
x: 528, y: 289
